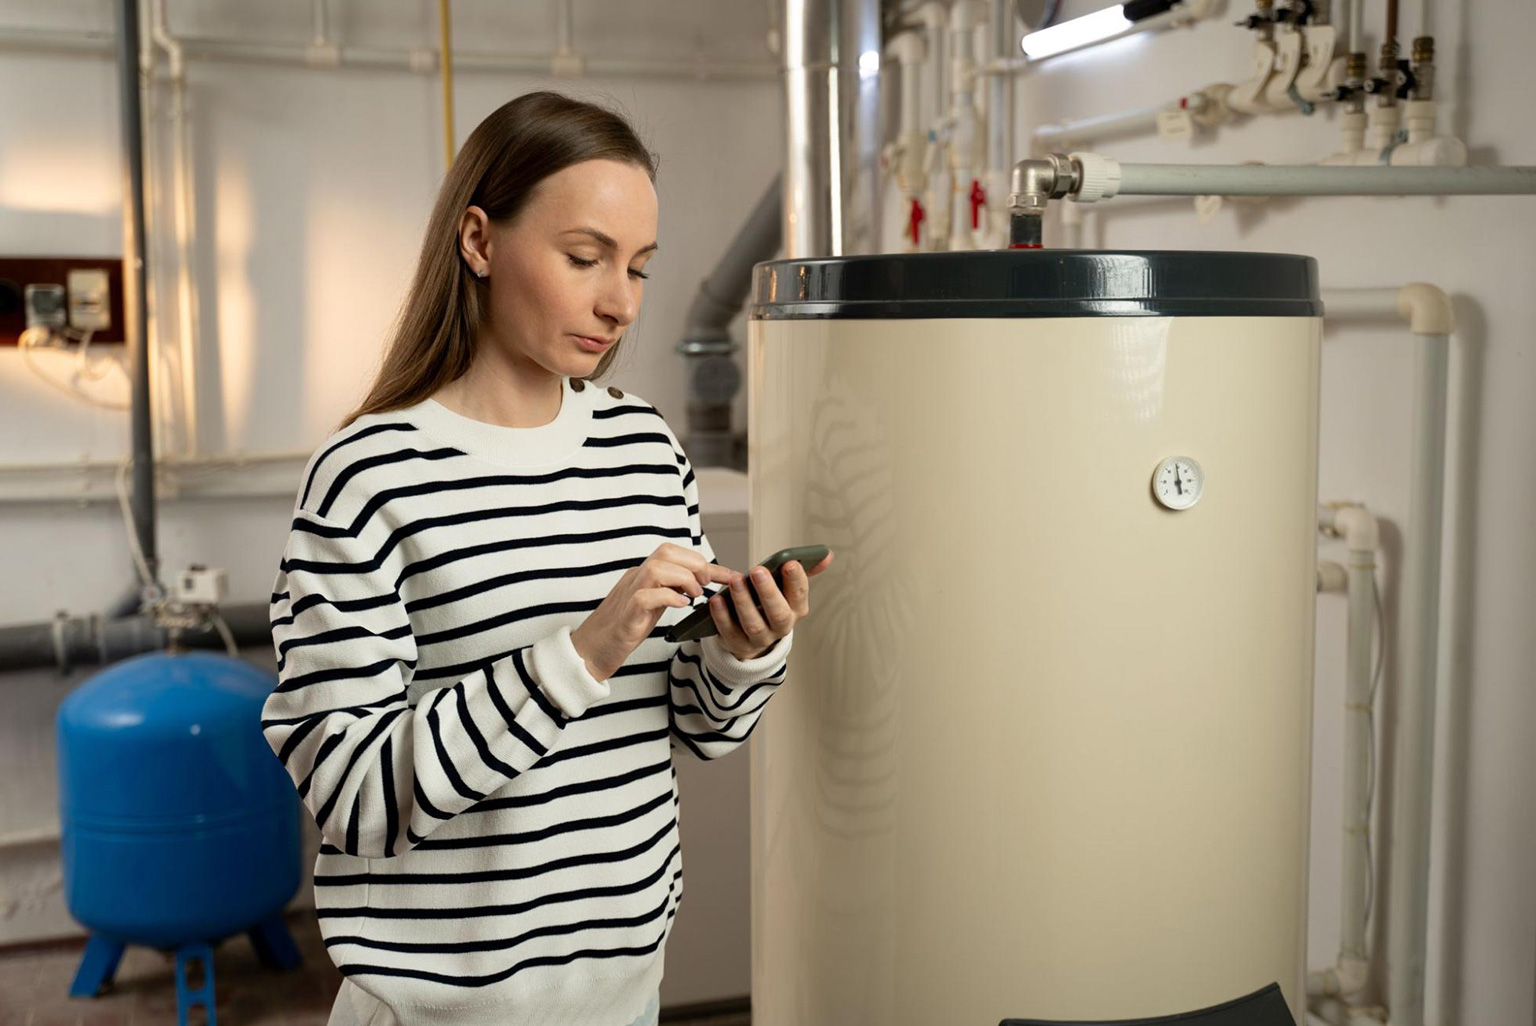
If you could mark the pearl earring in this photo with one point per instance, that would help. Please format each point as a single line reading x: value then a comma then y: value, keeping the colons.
x: 480, y: 273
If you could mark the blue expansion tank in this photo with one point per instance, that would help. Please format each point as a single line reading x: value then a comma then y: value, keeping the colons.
x: 180, y: 827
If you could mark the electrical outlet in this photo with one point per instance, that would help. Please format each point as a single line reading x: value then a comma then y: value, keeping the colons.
x: 93, y: 289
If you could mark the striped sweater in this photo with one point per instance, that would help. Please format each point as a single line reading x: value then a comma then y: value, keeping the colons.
x: 500, y: 838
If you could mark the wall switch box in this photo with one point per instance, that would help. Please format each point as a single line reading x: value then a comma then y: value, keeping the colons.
x: 92, y: 287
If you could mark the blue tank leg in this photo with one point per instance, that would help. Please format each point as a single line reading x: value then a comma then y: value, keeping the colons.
x: 97, y: 966
x: 186, y: 997
x: 274, y: 944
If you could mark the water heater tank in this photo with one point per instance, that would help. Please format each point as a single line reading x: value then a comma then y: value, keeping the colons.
x: 1044, y: 753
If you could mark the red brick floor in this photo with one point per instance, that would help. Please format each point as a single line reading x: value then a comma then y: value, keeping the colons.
x: 34, y: 986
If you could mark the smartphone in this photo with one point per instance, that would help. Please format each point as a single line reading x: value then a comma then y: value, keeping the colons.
x: 701, y: 624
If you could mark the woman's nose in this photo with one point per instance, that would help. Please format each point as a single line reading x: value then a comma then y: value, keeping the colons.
x: 619, y: 301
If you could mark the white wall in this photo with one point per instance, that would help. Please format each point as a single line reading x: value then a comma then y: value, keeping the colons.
x: 312, y: 190
x: 1482, y: 951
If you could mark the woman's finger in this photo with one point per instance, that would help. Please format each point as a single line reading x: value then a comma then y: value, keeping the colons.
x: 822, y: 566
x: 725, y: 624
x: 797, y: 589
x: 776, y: 608
x: 746, y: 610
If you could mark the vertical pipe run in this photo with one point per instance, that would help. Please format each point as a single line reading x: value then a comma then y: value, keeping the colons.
x: 446, y: 34
x: 136, y: 282
x: 1000, y: 144
x: 829, y: 140
x: 1419, y: 653
x: 1357, y: 745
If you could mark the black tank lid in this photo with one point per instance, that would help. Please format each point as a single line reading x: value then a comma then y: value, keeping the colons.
x: 1038, y: 283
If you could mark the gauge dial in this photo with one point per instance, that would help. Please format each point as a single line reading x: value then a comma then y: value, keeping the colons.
x: 1178, y: 482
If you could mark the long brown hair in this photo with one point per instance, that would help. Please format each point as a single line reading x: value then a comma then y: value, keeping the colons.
x: 521, y: 143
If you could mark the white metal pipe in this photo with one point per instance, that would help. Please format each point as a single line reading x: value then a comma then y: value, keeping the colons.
x: 88, y: 481
x: 565, y: 27
x: 1000, y: 142
x: 1103, y: 126
x: 1362, y: 537
x: 419, y: 61
x: 183, y: 225
x: 1281, y: 180
x: 1360, y: 305
x: 322, y: 24
x: 935, y: 19
x: 1419, y: 648
x: 1357, y: 746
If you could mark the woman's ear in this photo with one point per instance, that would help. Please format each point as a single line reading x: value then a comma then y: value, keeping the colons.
x: 475, y: 241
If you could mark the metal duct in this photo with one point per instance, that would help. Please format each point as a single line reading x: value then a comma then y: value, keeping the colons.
x: 830, y: 123
x: 713, y: 377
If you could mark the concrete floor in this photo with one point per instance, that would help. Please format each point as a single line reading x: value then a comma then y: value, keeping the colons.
x: 34, y: 988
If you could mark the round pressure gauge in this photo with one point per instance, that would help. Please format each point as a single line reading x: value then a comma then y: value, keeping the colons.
x: 1178, y: 482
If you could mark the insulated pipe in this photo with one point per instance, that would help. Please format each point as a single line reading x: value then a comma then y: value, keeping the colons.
x: 136, y: 283
x: 67, y: 642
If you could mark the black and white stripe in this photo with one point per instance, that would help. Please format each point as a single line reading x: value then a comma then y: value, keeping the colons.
x: 495, y: 823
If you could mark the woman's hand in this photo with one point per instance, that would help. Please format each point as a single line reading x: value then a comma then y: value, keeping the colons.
x: 757, y: 632
x: 672, y: 576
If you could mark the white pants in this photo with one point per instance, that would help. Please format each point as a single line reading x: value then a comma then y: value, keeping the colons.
x: 356, y: 1007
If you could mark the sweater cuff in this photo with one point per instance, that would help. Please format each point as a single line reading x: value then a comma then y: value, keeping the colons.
x: 729, y: 670
x: 561, y: 673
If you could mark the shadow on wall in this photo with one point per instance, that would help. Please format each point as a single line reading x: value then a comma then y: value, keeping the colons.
x: 251, y: 212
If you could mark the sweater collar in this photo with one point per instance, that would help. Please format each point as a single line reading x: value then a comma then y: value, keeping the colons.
x: 550, y: 443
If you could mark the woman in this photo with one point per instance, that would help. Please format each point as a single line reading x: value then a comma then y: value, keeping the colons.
x: 475, y: 700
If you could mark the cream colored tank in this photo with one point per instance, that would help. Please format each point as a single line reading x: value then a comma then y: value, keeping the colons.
x: 1045, y: 745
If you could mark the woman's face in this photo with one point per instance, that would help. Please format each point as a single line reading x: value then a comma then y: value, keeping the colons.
x: 566, y: 276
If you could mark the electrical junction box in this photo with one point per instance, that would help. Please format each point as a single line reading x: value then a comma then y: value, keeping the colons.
x: 200, y: 586
x: 93, y: 294
x: 90, y: 301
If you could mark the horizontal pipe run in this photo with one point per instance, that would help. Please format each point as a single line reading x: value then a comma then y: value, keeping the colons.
x: 1260, y: 180
x: 67, y: 642
x: 420, y: 60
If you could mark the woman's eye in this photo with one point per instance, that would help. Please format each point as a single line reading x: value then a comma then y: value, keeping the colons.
x: 638, y: 274
x: 579, y: 262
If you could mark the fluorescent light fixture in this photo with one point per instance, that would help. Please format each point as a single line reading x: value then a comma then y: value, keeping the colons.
x: 1069, y: 35
x: 869, y: 63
